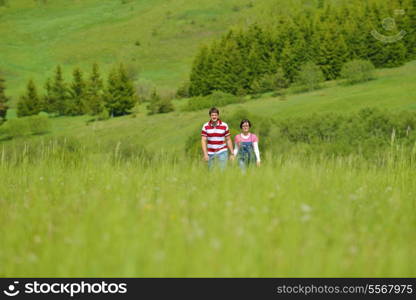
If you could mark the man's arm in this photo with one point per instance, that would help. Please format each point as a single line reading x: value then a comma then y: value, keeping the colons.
x: 204, y: 147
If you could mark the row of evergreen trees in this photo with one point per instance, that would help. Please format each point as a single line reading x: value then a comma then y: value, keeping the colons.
x: 90, y: 96
x: 328, y: 36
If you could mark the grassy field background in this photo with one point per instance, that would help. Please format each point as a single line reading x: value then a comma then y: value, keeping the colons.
x: 35, y: 37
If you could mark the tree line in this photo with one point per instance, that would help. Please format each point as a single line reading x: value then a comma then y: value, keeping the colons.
x: 244, y: 61
x: 93, y: 96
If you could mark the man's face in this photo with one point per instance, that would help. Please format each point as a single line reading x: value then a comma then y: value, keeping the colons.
x: 214, y: 117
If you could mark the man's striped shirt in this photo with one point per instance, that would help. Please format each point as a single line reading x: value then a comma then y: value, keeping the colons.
x: 215, y: 136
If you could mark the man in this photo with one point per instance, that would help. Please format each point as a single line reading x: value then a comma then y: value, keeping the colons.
x: 215, y: 139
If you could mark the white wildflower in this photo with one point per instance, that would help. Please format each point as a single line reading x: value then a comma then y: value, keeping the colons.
x: 305, y: 208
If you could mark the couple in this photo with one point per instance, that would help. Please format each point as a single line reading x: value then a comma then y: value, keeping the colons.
x: 216, y: 139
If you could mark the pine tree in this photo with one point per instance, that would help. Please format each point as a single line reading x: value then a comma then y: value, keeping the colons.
x: 279, y: 42
x: 129, y: 98
x: 394, y: 47
x: 76, y: 100
x: 29, y: 104
x: 393, y: 55
x: 47, y: 99
x: 112, y: 92
x: 243, y: 44
x: 301, y: 54
x: 59, y: 93
x: 382, y: 51
x: 218, y: 67
x: 264, y: 49
x: 229, y: 70
x: 410, y: 28
x: 3, y: 100
x: 341, y: 54
x: 305, y: 32
x: 199, y: 78
x: 333, y: 53
x: 94, y: 93
x: 120, y: 97
x: 261, y: 58
x: 288, y: 62
x: 355, y: 37
x: 241, y: 76
x: 327, y: 14
x: 374, y: 47
x: 253, y: 69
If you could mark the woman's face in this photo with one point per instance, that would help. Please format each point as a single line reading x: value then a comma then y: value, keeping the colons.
x: 245, y: 127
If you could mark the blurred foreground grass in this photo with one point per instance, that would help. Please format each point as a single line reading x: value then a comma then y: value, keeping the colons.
x: 82, y: 215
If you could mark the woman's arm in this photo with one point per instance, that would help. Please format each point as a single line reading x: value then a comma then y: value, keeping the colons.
x: 256, y: 151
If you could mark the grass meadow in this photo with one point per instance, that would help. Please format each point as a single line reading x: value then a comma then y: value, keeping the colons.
x: 120, y: 198
x: 69, y: 212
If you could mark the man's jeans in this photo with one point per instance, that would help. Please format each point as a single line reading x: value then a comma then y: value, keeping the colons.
x: 219, y: 159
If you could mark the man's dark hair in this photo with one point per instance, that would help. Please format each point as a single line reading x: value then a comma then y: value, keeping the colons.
x: 214, y: 110
x: 245, y: 121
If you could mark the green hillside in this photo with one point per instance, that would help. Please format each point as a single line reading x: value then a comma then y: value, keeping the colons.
x: 158, y: 39
x: 35, y: 36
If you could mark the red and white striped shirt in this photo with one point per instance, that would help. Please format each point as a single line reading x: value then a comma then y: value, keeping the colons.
x: 215, y: 136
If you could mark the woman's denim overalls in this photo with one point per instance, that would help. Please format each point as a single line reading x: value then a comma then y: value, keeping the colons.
x: 246, y: 155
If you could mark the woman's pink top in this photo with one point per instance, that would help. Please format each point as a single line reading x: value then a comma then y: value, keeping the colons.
x: 252, y: 138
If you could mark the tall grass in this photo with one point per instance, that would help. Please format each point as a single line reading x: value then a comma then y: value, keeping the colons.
x: 165, y: 216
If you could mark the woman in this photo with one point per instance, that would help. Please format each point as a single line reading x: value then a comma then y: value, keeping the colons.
x: 246, y: 146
